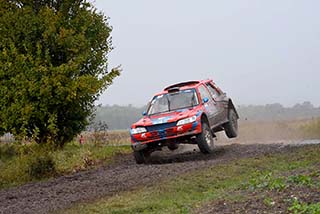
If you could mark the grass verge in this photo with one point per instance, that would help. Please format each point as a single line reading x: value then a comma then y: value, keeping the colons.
x: 20, y: 164
x: 229, y: 182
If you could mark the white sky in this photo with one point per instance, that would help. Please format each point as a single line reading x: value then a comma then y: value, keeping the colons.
x: 259, y: 52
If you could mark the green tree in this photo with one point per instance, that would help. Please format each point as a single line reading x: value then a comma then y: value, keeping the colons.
x: 53, y: 67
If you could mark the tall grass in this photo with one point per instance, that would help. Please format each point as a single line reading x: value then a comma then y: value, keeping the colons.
x: 312, y: 129
x: 265, y: 131
x: 115, y: 138
x: 21, y: 163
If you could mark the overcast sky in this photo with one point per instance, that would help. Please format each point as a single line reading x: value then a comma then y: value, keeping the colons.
x: 258, y: 52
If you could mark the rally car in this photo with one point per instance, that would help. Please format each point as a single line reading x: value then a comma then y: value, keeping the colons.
x: 187, y: 112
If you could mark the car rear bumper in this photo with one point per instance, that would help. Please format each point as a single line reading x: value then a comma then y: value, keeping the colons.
x: 140, y: 141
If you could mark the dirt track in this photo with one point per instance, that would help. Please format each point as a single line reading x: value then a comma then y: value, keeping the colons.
x: 124, y: 174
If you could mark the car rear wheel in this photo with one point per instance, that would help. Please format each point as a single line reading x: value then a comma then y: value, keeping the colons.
x: 231, y: 128
x: 140, y: 156
x: 205, y: 139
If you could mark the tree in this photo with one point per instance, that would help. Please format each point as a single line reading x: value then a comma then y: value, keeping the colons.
x: 53, y: 67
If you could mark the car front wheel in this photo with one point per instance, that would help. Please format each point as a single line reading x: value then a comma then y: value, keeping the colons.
x: 140, y: 156
x: 173, y: 146
x: 205, y: 140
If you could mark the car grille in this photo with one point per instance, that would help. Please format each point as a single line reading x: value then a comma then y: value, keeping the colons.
x: 161, y: 130
x: 160, y: 127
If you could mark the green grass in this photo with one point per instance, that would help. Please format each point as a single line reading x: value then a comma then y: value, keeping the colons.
x: 223, y: 181
x: 76, y: 157
x: 18, y: 162
x: 298, y: 207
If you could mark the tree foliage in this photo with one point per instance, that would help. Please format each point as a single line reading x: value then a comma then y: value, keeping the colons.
x: 53, y: 67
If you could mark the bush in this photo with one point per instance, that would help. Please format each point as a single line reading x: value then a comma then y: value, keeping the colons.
x: 41, y: 166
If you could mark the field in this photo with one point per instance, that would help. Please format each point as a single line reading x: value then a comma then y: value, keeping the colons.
x: 268, y: 168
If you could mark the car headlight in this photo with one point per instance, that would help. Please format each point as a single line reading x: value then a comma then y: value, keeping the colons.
x: 138, y: 130
x: 186, y: 121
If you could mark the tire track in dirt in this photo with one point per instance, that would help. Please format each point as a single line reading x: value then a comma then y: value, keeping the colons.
x: 123, y: 175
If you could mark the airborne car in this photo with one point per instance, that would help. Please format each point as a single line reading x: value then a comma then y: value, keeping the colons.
x: 187, y: 112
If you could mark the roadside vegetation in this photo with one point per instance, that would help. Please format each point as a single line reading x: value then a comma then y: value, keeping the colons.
x: 22, y: 163
x: 289, y: 181
x: 116, y: 138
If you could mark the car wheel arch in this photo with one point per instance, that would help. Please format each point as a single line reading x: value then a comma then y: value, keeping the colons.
x: 204, y: 119
x: 231, y: 106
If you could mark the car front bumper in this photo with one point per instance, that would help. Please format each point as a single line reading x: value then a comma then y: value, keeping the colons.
x: 140, y: 141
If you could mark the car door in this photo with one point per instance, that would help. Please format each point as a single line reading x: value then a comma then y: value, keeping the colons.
x: 221, y: 103
x: 210, y: 106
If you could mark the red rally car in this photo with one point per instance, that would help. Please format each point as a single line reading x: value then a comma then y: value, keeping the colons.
x: 187, y: 112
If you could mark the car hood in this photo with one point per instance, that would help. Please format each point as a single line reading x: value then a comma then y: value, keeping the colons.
x: 168, y: 117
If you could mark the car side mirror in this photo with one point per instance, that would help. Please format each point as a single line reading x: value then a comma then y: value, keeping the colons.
x: 205, y: 100
x: 144, y: 113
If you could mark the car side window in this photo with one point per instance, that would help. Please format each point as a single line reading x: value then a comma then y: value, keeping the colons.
x: 214, y: 92
x: 204, y: 92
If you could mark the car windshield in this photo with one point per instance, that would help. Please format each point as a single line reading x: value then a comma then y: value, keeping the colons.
x: 173, y: 101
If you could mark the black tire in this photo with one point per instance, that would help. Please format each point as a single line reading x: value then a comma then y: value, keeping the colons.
x: 205, y: 139
x: 139, y: 156
x: 231, y: 128
x: 173, y: 146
